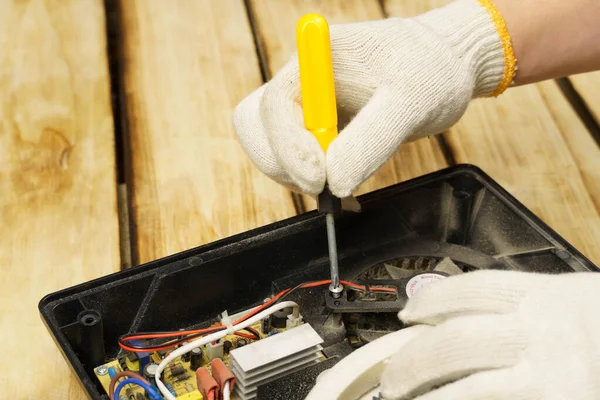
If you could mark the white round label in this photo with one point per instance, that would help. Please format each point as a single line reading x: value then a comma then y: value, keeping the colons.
x: 416, y: 283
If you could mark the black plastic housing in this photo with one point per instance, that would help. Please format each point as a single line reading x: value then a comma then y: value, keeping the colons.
x: 458, y: 212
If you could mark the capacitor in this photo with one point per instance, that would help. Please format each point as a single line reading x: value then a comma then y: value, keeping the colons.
x: 241, y: 342
x: 139, y: 396
x: 196, y: 358
x: 227, y: 345
x: 150, y: 372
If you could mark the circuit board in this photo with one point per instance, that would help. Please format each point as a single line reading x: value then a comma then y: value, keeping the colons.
x: 179, y: 376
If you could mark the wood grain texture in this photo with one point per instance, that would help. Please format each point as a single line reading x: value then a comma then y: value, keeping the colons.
x: 588, y: 86
x: 188, y: 64
x: 531, y: 141
x: 57, y: 179
x: 276, y: 23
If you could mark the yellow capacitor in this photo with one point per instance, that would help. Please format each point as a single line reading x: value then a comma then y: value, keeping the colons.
x: 316, y: 78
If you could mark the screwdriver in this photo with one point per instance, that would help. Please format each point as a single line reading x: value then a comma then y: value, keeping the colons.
x: 320, y: 115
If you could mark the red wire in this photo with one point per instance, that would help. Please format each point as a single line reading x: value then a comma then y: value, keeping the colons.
x: 242, y: 319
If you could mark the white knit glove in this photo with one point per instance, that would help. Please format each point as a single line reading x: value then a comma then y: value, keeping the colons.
x: 501, y: 335
x: 401, y: 79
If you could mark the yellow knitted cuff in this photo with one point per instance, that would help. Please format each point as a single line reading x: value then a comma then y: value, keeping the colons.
x: 510, y: 62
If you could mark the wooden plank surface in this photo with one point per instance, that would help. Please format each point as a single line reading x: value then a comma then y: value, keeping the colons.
x: 275, y: 23
x: 588, y: 86
x: 517, y: 139
x: 57, y: 179
x: 188, y: 64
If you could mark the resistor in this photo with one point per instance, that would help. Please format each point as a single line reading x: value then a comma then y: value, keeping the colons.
x: 177, y: 370
x: 170, y: 389
x: 183, y: 377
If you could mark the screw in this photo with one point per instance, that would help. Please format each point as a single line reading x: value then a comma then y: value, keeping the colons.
x: 336, y: 292
x: 102, y: 370
x: 563, y: 254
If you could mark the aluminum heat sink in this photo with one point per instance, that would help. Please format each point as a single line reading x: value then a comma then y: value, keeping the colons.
x: 273, y: 357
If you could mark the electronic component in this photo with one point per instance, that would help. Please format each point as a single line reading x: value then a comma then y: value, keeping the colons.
x: 177, y: 370
x: 222, y: 374
x: 292, y: 321
x: 170, y: 389
x: 273, y: 357
x: 207, y: 384
x: 149, y: 373
x: 214, y: 350
x: 241, y: 343
x: 137, y: 361
x: 279, y: 318
x: 227, y: 345
x: 139, y: 396
x: 186, y: 356
x: 265, y: 325
x: 196, y: 358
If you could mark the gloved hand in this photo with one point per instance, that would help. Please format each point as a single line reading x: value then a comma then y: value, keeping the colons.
x: 396, y: 79
x: 501, y: 335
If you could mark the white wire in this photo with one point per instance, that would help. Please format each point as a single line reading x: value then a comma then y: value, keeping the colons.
x: 211, y: 338
x: 226, y: 391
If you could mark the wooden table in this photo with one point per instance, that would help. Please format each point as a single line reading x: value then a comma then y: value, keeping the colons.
x: 92, y: 182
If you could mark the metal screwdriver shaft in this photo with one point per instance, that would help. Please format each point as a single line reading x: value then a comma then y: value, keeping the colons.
x: 332, y: 243
x: 320, y: 114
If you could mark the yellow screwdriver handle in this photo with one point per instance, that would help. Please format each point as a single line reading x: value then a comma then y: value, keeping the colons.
x: 316, y: 78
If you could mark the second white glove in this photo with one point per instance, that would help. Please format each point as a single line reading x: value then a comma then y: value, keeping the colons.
x: 502, y: 335
x: 396, y: 80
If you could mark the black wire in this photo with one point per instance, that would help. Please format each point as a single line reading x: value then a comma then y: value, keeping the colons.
x: 252, y: 331
x: 123, y: 340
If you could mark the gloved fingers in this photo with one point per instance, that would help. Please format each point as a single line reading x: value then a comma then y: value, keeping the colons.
x: 478, y: 292
x: 295, y: 148
x: 367, y: 142
x: 253, y: 139
x: 451, y: 351
x: 502, y: 384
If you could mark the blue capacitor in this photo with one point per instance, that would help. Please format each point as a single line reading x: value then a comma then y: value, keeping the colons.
x: 111, y: 372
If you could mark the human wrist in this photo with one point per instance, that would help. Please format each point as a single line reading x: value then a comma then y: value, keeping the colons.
x: 476, y: 31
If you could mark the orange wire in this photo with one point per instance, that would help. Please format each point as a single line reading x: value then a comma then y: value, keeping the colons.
x: 245, y: 317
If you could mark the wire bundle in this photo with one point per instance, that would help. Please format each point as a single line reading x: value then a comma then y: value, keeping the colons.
x: 187, y: 335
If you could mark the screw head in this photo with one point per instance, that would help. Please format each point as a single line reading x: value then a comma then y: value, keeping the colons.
x: 102, y: 370
x: 336, y: 292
